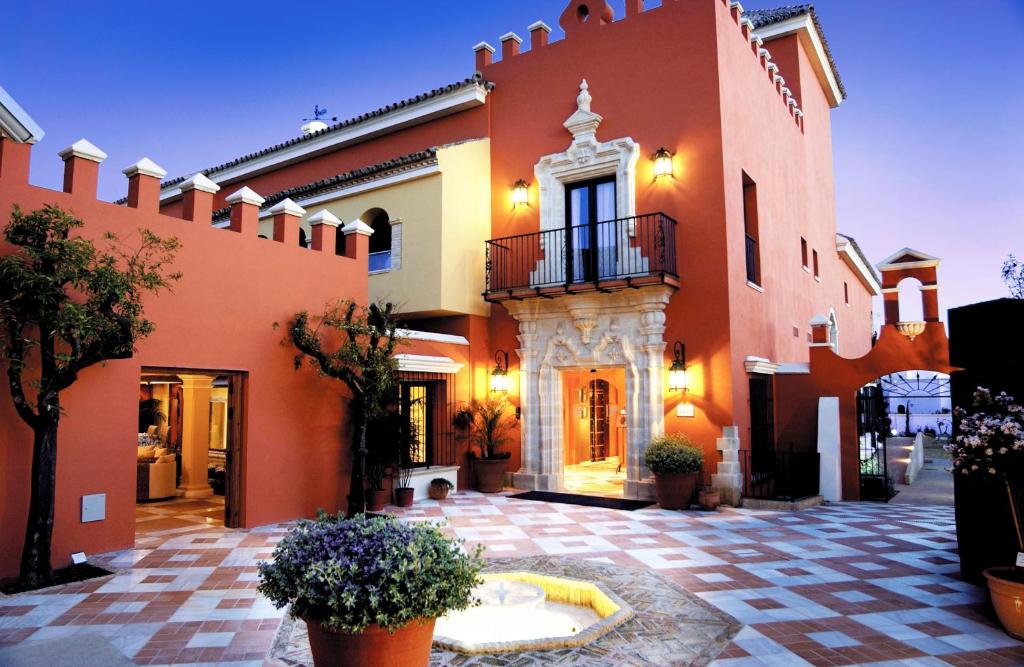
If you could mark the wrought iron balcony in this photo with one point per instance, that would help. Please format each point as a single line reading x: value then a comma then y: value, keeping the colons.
x: 615, y: 254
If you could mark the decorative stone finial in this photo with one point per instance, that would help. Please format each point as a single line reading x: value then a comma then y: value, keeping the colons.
x: 584, y: 99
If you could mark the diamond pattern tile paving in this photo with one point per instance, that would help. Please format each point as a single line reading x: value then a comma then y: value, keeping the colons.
x: 839, y: 584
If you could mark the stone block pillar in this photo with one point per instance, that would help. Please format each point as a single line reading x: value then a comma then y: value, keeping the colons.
x: 197, y: 199
x: 82, y: 168
x: 195, y: 436
x: 325, y: 230
x: 729, y: 478
x: 245, y: 211
x: 144, y: 184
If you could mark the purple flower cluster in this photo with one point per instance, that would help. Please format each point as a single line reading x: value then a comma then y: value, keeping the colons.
x: 347, y: 574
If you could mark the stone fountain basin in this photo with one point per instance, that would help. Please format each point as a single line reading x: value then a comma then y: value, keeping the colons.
x: 528, y: 611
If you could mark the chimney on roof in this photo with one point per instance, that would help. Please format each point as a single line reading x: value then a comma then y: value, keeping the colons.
x: 312, y: 127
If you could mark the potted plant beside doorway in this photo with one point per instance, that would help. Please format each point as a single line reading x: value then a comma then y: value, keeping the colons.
x: 489, y: 432
x: 675, y: 462
x: 369, y: 588
x: 989, y: 446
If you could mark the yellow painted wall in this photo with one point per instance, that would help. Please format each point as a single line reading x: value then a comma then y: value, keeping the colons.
x: 445, y: 220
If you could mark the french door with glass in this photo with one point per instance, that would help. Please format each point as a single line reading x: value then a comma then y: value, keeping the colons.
x: 590, y: 230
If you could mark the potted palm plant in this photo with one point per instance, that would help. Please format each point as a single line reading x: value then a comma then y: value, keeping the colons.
x: 369, y: 588
x: 989, y: 446
x: 489, y: 431
x: 675, y: 462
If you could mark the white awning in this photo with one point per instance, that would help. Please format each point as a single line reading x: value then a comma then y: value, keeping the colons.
x: 421, y: 363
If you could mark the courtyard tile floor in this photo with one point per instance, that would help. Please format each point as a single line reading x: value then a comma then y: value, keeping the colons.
x: 848, y: 583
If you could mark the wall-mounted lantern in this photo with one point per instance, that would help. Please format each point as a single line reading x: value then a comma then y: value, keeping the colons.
x: 499, y: 376
x: 677, y: 371
x: 520, y: 194
x: 662, y: 163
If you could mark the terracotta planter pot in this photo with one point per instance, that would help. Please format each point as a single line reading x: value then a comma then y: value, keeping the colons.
x: 375, y: 647
x: 490, y: 474
x: 675, y: 490
x: 403, y: 496
x: 376, y: 500
x: 1006, y: 586
x: 438, y: 491
x: 709, y: 499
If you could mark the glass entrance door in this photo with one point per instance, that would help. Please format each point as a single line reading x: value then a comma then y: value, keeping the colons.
x: 590, y: 230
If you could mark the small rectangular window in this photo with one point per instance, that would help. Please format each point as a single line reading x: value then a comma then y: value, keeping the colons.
x: 817, y: 273
x: 846, y: 293
x: 753, y: 252
x: 803, y: 252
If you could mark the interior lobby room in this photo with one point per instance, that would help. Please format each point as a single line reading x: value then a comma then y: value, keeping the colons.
x: 595, y: 431
x: 182, y: 474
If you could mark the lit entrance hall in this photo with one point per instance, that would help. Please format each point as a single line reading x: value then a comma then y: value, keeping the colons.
x: 189, y: 435
x: 594, y: 408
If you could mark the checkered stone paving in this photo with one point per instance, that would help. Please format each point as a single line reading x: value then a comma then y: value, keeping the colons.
x: 839, y: 584
x: 671, y: 626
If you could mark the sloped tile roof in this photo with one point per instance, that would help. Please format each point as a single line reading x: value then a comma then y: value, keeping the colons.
x: 344, y: 179
x: 763, y: 17
x: 476, y: 79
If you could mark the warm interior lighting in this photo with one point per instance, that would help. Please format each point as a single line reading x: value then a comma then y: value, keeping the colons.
x: 662, y: 163
x: 520, y: 194
x: 677, y: 371
x: 499, y: 376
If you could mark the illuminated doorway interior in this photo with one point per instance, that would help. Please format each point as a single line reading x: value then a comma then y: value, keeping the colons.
x: 188, y: 471
x: 595, y: 431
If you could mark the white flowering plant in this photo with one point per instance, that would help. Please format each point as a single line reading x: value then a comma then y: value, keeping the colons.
x: 990, y: 442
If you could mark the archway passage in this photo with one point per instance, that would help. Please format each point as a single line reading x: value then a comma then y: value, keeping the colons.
x: 808, y: 421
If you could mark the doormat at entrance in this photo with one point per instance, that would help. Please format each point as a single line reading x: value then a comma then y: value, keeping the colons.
x: 586, y: 501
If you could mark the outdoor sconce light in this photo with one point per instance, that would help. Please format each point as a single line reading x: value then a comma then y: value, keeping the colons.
x: 662, y: 163
x: 677, y: 371
x: 520, y: 194
x: 499, y: 376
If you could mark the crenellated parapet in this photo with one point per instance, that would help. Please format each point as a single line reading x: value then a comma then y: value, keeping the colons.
x: 583, y: 17
x: 82, y: 161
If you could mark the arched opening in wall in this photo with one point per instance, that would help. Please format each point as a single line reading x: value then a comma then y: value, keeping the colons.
x: 918, y: 401
x: 911, y: 305
x: 891, y: 412
x: 380, y: 242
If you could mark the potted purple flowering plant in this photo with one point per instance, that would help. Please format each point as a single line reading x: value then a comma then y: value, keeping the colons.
x: 369, y: 588
x: 990, y: 444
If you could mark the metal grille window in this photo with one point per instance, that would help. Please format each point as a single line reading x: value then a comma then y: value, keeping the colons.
x: 428, y: 403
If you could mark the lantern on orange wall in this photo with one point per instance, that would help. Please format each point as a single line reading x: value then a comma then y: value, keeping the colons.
x: 662, y: 163
x: 520, y: 193
x: 499, y: 376
x: 677, y: 371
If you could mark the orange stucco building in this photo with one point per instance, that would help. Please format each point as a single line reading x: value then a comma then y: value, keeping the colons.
x: 580, y: 206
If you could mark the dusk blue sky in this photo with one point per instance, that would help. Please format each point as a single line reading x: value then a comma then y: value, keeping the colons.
x: 929, y: 146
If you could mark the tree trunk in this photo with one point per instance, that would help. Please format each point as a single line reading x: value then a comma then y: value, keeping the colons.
x: 35, y: 556
x: 357, y: 480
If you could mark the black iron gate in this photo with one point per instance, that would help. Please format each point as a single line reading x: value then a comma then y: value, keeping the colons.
x: 872, y: 429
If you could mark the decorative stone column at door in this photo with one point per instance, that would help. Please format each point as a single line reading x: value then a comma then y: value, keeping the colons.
x: 195, y: 436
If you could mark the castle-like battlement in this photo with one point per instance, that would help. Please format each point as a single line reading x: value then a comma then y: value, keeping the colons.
x: 582, y: 18
x: 141, y: 207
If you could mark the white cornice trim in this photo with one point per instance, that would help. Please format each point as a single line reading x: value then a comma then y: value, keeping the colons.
x: 804, y: 27
x: 539, y: 25
x: 856, y: 263
x: 421, y: 363
x: 760, y: 365
x: 414, y: 114
x: 201, y: 183
x: 794, y: 368
x: 324, y: 217
x: 245, y: 195
x: 411, y: 334
x: 15, y: 122
x: 369, y: 186
x: 288, y: 207
x: 510, y: 35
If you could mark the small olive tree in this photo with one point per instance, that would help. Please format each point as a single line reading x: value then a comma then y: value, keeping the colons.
x: 355, y: 345
x: 65, y: 305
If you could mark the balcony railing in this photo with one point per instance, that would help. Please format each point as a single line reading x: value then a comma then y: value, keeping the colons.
x: 779, y: 475
x: 629, y: 252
